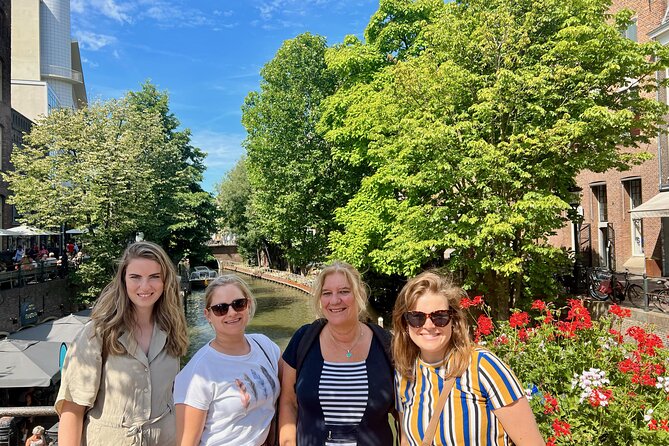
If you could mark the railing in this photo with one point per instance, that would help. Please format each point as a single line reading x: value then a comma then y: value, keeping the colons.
x: 28, y: 411
x: 22, y: 277
x: 55, y: 71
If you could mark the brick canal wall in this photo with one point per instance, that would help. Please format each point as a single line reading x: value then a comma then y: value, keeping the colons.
x: 48, y: 299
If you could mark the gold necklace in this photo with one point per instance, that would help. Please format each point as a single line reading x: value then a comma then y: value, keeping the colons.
x: 348, y: 350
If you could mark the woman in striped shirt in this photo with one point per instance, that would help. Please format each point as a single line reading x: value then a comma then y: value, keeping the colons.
x: 431, y: 344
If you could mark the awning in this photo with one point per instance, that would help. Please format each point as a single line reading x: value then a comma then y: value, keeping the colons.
x: 658, y: 206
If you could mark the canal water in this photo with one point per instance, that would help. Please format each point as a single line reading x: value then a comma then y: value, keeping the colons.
x: 280, y: 311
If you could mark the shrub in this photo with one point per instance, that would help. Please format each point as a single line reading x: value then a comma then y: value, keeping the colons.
x: 588, y: 383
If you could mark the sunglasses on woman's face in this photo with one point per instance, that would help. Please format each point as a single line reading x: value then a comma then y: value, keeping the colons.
x: 439, y: 318
x: 222, y: 309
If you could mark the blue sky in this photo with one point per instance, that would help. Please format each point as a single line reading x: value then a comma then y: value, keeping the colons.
x: 206, y: 53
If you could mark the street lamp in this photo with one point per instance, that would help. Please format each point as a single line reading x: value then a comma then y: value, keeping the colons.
x: 576, y: 217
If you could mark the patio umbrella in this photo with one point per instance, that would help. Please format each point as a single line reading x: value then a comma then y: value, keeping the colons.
x: 77, y: 231
x: 5, y: 232
x: 64, y: 329
x: 28, y: 363
x: 25, y: 230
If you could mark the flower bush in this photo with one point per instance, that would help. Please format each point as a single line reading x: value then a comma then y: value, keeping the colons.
x: 588, y: 382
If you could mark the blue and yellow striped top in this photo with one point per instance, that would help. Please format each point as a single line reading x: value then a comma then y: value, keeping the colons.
x: 467, y: 418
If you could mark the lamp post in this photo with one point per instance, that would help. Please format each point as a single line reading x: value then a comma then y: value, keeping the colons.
x: 576, y: 217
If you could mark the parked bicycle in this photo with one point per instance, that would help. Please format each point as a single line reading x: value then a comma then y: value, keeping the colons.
x: 658, y: 298
x: 603, y: 285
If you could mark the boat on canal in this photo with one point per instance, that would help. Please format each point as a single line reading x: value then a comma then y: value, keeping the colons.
x: 201, y: 276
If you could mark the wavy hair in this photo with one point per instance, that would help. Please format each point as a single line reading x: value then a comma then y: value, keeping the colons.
x: 358, y: 287
x: 114, y: 313
x: 230, y: 279
x: 405, y: 351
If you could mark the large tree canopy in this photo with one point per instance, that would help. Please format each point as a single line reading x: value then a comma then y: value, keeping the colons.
x: 116, y: 168
x: 296, y: 184
x: 474, y: 135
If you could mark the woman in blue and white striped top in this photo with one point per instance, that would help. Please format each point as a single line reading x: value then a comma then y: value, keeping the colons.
x: 338, y: 389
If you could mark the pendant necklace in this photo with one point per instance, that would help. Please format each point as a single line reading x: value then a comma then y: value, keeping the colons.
x: 348, y: 350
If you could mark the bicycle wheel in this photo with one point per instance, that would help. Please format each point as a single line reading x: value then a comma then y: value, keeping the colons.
x: 635, y: 295
x: 661, y: 300
x: 593, y: 290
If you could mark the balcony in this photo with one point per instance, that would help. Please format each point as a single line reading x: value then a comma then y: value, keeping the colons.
x: 62, y: 73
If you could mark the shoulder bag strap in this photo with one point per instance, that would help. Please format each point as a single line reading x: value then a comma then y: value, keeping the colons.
x: 271, y: 364
x: 441, y: 402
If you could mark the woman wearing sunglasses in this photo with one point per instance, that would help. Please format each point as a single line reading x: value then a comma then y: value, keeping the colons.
x: 435, y: 356
x: 337, y: 386
x: 226, y: 393
x: 116, y: 386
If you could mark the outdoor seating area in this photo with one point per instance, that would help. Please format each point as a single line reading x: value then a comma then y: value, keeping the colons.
x: 30, y: 362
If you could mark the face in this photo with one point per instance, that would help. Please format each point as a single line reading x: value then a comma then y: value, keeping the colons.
x: 337, y: 300
x: 144, y: 282
x: 233, y: 322
x: 432, y: 340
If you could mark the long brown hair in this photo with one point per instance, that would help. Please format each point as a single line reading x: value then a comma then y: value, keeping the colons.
x: 358, y: 287
x: 114, y: 313
x: 405, y: 351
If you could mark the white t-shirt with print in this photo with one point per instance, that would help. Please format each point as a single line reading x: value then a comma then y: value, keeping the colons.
x: 238, y: 392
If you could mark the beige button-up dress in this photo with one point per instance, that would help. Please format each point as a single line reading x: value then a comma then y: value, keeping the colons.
x: 130, y: 395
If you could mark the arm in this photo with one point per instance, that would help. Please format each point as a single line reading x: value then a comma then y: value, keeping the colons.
x: 71, y: 424
x: 518, y: 421
x: 288, y: 407
x: 190, y: 424
x: 403, y: 437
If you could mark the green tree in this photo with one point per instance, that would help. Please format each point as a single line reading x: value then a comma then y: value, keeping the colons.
x: 296, y: 183
x: 234, y: 200
x: 474, y: 136
x: 185, y: 216
x: 83, y: 169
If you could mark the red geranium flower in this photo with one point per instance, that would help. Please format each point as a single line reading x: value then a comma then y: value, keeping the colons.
x: 539, y: 305
x: 561, y: 428
x: 519, y: 319
x: 550, y: 404
x: 620, y: 311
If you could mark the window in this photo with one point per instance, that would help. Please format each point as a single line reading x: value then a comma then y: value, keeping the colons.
x: 630, y: 32
x: 599, y: 191
x: 633, y: 188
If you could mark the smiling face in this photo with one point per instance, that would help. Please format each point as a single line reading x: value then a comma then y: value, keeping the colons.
x: 337, y: 300
x: 233, y: 323
x: 144, y: 283
x: 432, y: 341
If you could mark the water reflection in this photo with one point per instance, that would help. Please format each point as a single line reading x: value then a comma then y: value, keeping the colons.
x: 281, y: 310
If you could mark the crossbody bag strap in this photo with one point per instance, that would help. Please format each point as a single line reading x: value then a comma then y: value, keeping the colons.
x: 441, y: 402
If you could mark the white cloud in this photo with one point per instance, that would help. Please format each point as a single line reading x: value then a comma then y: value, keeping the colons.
x: 92, y: 41
x: 121, y: 12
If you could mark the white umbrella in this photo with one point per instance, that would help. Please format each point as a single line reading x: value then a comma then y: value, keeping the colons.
x: 5, y: 232
x: 64, y: 329
x: 25, y: 230
x: 76, y: 231
x: 29, y: 363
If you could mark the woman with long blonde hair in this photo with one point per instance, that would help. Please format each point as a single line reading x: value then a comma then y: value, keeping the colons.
x: 433, y: 350
x: 117, y: 377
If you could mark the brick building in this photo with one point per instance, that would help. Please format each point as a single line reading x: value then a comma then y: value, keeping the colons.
x: 625, y: 215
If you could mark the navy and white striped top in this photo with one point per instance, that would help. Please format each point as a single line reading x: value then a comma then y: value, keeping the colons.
x: 343, y: 390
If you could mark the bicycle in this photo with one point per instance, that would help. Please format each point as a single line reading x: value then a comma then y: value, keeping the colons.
x: 659, y: 298
x: 603, y: 285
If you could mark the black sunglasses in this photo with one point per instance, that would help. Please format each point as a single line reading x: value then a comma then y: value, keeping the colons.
x: 222, y: 309
x: 439, y: 318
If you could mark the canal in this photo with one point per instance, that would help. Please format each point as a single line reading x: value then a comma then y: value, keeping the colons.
x: 280, y: 311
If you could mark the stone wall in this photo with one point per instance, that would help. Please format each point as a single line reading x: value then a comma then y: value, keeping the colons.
x: 50, y: 299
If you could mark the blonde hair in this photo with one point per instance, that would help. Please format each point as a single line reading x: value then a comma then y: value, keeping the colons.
x: 230, y: 279
x: 405, y: 351
x: 114, y: 313
x: 358, y: 287
x: 38, y: 430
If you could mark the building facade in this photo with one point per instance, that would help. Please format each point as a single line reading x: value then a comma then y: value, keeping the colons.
x: 620, y: 225
x: 45, y: 62
x: 5, y: 109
